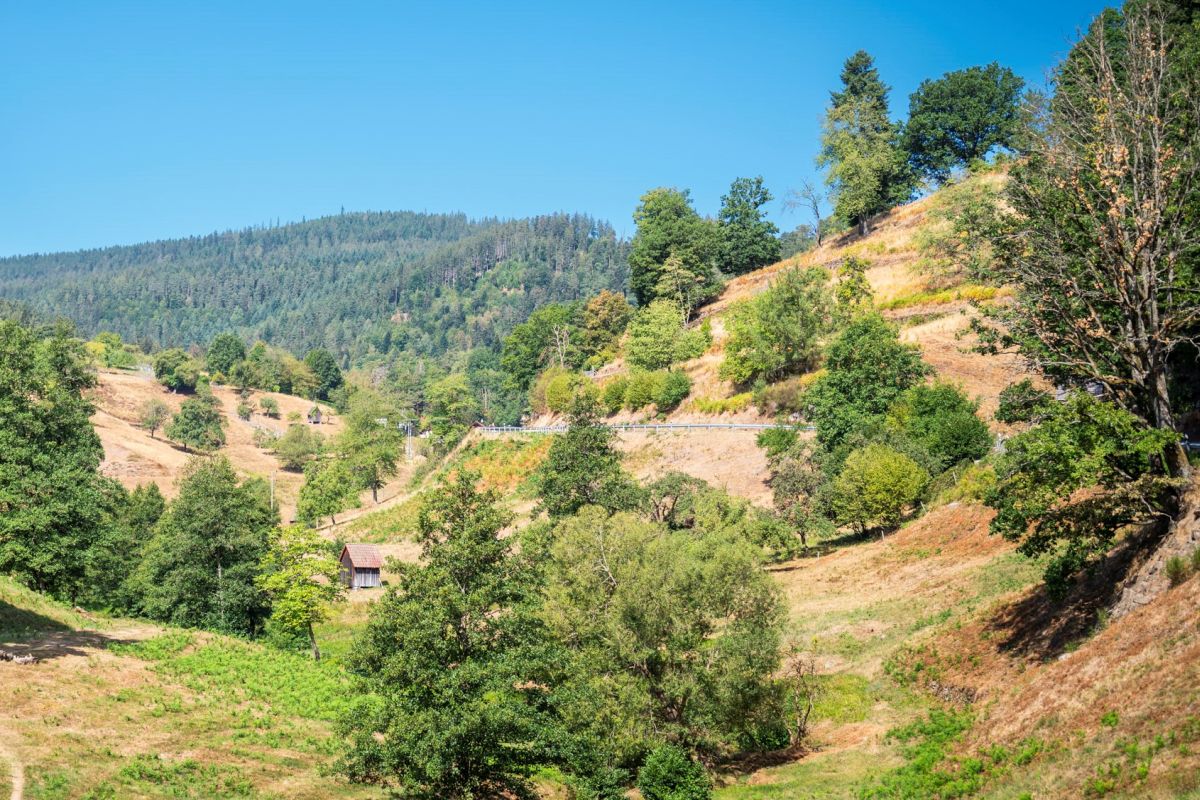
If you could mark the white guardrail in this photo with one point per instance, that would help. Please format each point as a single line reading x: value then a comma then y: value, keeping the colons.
x: 651, y: 426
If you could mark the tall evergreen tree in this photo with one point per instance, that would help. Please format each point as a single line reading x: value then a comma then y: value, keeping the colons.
x: 867, y: 171
x: 748, y: 240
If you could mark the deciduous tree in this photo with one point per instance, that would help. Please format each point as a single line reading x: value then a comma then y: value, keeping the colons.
x: 961, y: 118
x: 303, y: 580
x: 748, y: 240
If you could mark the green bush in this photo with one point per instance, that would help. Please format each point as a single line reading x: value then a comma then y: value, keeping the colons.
x: 674, y: 387
x: 612, y: 396
x: 784, y: 397
x: 244, y: 410
x: 1196, y: 560
x: 560, y: 391
x: 1178, y: 570
x: 270, y: 407
x: 642, y: 389
x: 778, y: 332
x: 777, y: 441
x: 670, y: 774
x: 875, y: 486
x: 941, y: 418
x: 1021, y: 402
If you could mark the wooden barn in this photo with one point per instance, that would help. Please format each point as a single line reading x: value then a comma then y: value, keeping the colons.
x: 361, y: 564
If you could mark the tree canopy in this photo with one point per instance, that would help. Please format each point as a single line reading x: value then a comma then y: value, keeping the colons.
x: 668, y: 225
x: 53, y: 500
x: 748, y: 240
x: 961, y: 118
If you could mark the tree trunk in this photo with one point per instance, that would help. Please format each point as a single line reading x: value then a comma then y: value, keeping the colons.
x: 312, y: 639
x: 375, y: 494
x: 1161, y: 417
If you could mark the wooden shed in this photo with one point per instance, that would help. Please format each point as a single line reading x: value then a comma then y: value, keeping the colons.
x: 361, y: 564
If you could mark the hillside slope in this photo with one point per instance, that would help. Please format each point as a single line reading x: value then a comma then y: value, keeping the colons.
x: 358, y: 284
x: 123, y: 709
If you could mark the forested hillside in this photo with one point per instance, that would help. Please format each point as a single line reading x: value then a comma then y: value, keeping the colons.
x: 358, y: 284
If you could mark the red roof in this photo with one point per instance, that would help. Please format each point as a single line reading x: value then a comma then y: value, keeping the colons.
x: 363, y: 556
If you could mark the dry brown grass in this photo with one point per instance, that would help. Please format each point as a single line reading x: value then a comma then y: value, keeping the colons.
x: 133, y: 457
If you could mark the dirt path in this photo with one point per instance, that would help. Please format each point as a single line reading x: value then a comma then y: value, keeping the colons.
x: 17, y: 770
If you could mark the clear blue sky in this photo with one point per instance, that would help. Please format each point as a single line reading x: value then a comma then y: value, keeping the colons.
x: 126, y: 122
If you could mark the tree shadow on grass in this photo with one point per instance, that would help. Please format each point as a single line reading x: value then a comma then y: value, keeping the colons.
x: 1043, y: 627
x: 27, y: 633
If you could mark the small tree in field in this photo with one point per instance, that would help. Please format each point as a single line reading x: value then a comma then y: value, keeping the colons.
x: 875, y: 486
x: 302, y: 578
x: 270, y: 407
x: 154, y: 415
x: 198, y: 424
x: 329, y: 487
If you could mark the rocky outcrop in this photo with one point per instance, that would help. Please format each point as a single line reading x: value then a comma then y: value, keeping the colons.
x: 1148, y: 580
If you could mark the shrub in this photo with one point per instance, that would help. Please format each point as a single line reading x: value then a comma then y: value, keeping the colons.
x: 875, y: 486
x: 674, y: 387
x: 1177, y: 569
x: 670, y: 774
x: 777, y: 441
x: 867, y: 369
x: 561, y: 389
x: 613, y: 394
x: 642, y: 389
x: 1081, y: 443
x: 942, y: 419
x: 299, y: 445
x: 270, y: 407
x: 777, y: 332
x: 784, y: 397
x: 654, y: 335
x: 1196, y: 560
x: 244, y: 410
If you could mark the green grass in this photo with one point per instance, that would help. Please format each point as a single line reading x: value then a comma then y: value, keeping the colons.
x: 506, y: 465
x: 819, y: 776
x: 25, y: 613
x: 290, y: 683
x: 394, y: 524
x: 843, y: 698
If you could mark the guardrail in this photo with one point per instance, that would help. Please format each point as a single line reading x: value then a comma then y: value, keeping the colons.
x: 652, y: 426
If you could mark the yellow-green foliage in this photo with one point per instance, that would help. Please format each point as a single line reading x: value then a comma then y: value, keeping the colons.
x: 723, y: 405
x: 970, y: 485
x: 642, y: 389
x: 392, y: 524
x: 971, y: 292
x: 503, y: 464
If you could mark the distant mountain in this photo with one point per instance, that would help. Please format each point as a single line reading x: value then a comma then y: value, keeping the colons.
x: 364, y: 285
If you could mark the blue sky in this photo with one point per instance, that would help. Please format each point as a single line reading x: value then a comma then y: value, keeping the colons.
x: 127, y: 122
